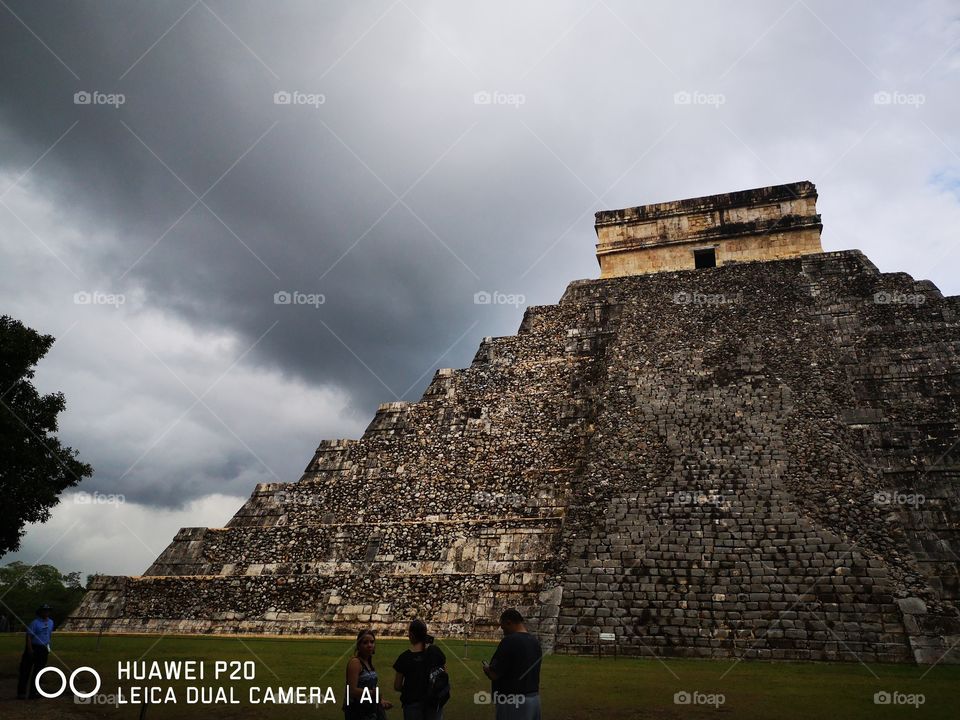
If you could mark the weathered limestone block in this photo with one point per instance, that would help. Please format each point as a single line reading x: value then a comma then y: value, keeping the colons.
x: 765, y: 224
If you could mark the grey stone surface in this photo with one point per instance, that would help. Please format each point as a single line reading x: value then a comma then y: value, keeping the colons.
x: 756, y: 460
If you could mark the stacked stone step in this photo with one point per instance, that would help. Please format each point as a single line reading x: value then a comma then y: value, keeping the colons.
x: 463, y: 450
x: 287, y: 604
x: 409, y: 547
x: 731, y: 390
x: 688, y: 459
x: 440, y: 500
x: 904, y: 368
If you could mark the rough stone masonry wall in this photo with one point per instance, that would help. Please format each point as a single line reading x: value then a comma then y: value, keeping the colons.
x: 764, y: 245
x: 754, y: 423
x: 696, y: 461
x: 771, y: 223
x: 448, y: 508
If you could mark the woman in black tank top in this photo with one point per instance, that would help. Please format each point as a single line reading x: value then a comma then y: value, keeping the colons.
x: 363, y: 693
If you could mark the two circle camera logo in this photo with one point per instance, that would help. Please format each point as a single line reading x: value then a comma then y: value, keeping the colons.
x: 64, y: 682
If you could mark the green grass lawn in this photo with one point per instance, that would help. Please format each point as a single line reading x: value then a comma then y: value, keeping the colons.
x: 571, y: 687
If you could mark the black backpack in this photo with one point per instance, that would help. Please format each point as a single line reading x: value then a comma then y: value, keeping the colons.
x: 438, y: 685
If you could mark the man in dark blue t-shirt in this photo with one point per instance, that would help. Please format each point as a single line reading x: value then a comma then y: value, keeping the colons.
x: 514, y: 671
x: 34, y: 658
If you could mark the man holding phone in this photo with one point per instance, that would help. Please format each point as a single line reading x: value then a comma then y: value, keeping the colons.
x: 514, y: 671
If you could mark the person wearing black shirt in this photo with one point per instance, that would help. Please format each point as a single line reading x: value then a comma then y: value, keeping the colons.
x: 514, y: 671
x: 413, y: 674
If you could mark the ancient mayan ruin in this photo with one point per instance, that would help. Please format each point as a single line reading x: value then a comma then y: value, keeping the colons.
x: 732, y: 444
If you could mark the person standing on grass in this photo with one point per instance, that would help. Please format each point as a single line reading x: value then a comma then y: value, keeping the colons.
x: 514, y: 671
x: 363, y: 694
x: 35, y: 652
x: 414, y: 670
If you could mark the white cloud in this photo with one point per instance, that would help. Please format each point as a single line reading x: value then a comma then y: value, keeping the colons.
x: 115, y: 538
x: 131, y: 374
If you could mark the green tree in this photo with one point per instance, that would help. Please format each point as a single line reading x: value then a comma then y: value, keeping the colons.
x: 24, y: 588
x: 34, y: 467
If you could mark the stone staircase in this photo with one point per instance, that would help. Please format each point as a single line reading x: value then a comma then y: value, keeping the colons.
x: 707, y: 463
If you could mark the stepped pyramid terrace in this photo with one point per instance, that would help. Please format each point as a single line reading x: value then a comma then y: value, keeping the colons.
x: 731, y: 444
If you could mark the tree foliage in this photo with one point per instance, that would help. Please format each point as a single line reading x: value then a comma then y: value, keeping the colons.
x: 34, y: 467
x: 24, y: 588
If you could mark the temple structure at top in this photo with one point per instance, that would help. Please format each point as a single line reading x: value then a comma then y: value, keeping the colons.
x: 769, y: 223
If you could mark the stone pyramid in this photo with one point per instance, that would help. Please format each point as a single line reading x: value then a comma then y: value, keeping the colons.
x: 732, y: 444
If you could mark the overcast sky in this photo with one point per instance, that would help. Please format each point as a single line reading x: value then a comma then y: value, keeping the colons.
x: 157, y: 192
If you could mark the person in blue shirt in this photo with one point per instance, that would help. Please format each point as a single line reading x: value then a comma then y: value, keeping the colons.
x: 35, y: 654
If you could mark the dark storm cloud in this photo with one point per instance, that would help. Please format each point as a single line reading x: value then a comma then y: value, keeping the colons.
x: 303, y: 184
x: 458, y: 148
